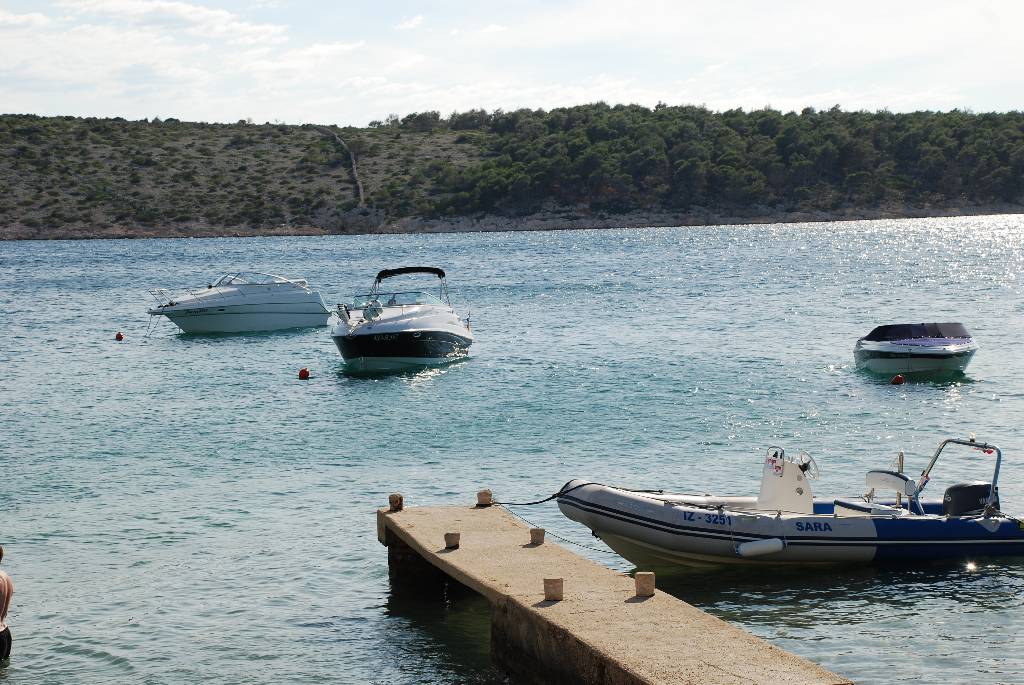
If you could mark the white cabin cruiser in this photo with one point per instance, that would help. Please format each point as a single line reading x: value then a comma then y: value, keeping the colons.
x: 401, y: 329
x: 241, y: 302
x: 916, y: 348
x: 784, y: 523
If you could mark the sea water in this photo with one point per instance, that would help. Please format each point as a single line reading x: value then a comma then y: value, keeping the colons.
x: 184, y: 509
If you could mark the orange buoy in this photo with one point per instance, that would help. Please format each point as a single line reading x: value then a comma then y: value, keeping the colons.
x: 303, y: 374
x: 898, y: 379
x: 119, y: 337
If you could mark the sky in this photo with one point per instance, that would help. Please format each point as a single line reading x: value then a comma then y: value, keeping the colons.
x: 347, y: 63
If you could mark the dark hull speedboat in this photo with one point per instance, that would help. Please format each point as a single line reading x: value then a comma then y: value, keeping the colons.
x: 392, y: 331
x: 920, y: 348
x: 785, y: 524
x: 401, y: 349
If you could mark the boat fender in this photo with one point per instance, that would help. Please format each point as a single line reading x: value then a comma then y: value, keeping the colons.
x: 756, y: 548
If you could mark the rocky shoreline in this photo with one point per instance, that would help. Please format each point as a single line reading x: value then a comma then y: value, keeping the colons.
x: 366, y: 222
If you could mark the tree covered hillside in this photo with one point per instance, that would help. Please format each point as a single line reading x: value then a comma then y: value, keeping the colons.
x: 625, y: 157
x: 73, y: 177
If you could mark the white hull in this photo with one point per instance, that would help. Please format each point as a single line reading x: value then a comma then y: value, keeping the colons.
x: 910, y: 364
x: 650, y: 532
x: 649, y: 555
x: 249, y: 318
x: 244, y: 302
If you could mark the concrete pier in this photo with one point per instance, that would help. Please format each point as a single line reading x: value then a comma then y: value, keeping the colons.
x: 601, y: 631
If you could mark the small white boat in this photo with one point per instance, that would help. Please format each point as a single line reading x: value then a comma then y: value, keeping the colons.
x: 401, y: 329
x: 242, y: 302
x: 916, y: 348
x: 784, y: 523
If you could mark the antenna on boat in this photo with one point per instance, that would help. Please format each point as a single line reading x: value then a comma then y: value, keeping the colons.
x: 899, y: 469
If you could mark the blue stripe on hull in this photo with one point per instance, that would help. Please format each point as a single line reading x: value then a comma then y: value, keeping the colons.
x: 896, y: 539
x: 910, y: 551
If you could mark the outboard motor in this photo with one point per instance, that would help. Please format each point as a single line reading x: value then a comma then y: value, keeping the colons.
x: 964, y: 499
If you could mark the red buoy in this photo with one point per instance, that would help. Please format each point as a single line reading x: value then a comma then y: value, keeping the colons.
x: 303, y: 374
x: 898, y: 379
x: 119, y: 337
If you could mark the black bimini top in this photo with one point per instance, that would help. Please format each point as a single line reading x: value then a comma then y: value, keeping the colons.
x: 907, y: 331
x: 388, y: 273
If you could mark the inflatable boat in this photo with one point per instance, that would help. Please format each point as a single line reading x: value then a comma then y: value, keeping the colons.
x: 784, y: 523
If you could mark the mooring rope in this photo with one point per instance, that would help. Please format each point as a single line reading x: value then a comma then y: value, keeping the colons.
x: 561, y: 492
x: 554, y: 535
x: 566, y: 492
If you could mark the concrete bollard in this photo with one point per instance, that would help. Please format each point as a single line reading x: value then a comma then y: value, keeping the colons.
x: 484, y: 498
x: 644, y: 583
x: 451, y: 540
x: 396, y: 501
x: 553, y: 588
x: 536, y: 536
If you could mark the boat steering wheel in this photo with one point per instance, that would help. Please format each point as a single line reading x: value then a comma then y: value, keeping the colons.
x: 805, y: 462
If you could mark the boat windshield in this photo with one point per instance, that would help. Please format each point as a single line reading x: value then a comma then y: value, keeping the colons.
x: 396, y: 299
x: 250, y: 278
x: 908, y: 331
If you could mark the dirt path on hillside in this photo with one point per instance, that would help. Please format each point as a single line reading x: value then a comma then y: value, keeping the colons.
x: 355, y: 171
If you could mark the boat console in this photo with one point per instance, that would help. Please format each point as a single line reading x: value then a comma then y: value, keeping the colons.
x: 784, y: 482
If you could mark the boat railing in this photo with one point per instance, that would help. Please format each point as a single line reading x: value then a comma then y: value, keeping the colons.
x: 166, y: 295
x: 385, y: 299
x: 442, y: 295
x: 974, y: 444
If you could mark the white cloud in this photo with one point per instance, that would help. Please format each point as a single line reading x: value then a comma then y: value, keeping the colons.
x: 412, y: 23
x: 194, y: 19
x: 310, y: 64
x: 138, y: 58
x: 9, y: 19
x: 406, y: 62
